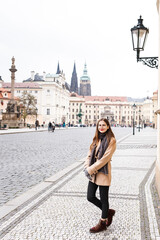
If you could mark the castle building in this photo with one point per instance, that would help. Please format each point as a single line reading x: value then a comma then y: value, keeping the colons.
x: 85, y: 85
x: 74, y: 81
x: 51, y: 93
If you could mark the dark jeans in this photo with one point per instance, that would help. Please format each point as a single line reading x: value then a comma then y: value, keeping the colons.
x: 103, y: 203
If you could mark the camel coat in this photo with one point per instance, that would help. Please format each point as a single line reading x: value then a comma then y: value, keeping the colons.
x: 100, y: 178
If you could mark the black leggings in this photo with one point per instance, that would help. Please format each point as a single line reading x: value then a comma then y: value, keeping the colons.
x: 103, y: 203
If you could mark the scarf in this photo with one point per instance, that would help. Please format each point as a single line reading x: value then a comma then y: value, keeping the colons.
x: 100, y: 152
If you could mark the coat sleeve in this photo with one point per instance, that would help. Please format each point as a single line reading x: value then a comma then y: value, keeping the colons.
x: 86, y: 163
x: 93, y: 169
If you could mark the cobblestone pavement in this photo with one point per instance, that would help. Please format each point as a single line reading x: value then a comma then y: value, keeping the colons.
x: 65, y: 214
x: 28, y: 158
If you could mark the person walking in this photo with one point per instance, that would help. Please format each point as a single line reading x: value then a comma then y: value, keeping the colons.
x: 53, y: 126
x: 97, y: 168
x: 36, y: 124
x: 49, y: 126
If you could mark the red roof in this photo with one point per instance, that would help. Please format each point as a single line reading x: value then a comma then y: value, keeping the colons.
x: 2, y: 90
x: 100, y: 98
x: 22, y: 85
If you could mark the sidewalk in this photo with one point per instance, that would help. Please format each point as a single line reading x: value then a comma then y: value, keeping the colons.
x: 57, y: 208
x: 28, y: 130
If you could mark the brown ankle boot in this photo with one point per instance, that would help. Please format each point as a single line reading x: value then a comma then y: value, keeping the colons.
x: 99, y: 227
x: 111, y: 213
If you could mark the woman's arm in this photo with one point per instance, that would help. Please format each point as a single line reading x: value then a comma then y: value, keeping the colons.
x: 86, y: 163
x: 93, y: 169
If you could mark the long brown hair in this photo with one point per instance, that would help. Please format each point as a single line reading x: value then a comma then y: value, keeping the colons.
x: 109, y: 133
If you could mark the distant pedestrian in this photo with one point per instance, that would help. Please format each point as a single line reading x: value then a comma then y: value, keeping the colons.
x: 36, y: 124
x: 53, y: 126
x: 98, y: 169
x: 49, y: 127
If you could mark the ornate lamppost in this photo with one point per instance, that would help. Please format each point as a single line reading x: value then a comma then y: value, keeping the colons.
x: 139, y: 121
x: 139, y: 35
x: 36, y: 113
x: 134, y: 108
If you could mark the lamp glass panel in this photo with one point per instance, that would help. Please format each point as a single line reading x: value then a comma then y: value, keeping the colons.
x: 142, y: 37
x: 135, y: 39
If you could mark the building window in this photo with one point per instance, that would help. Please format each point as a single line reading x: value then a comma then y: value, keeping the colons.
x: 48, y: 111
x: 48, y: 91
x: 35, y: 101
x: 89, y: 116
x: 76, y: 110
x: 72, y: 110
x: 72, y: 116
x: 77, y: 104
x: 73, y: 104
x: 36, y: 91
x: 30, y: 91
x: 18, y: 91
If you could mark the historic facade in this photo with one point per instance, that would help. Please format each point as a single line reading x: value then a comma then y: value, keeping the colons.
x: 85, y: 84
x: 118, y: 110
x: 51, y: 93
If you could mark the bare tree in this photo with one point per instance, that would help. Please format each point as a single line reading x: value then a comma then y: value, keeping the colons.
x: 28, y: 105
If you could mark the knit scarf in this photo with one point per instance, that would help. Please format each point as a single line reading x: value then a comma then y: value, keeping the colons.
x: 100, y: 152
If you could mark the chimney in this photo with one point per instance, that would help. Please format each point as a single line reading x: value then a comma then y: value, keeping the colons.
x: 32, y: 75
x: 44, y: 76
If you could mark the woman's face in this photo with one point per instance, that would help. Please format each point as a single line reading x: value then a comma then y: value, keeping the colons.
x: 102, y: 127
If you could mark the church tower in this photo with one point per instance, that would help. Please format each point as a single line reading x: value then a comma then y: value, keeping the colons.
x: 58, y: 69
x: 74, y: 81
x: 85, y: 85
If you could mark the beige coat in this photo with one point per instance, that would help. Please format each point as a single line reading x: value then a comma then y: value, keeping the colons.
x: 100, y: 178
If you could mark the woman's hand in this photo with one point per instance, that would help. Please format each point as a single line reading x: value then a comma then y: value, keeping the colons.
x: 87, y: 174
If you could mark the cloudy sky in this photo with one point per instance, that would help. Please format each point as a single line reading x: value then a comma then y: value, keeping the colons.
x: 39, y: 33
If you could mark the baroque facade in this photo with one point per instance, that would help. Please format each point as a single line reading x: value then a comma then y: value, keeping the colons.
x: 118, y: 110
x: 51, y: 93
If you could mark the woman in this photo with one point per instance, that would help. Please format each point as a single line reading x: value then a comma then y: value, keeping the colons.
x: 98, y: 170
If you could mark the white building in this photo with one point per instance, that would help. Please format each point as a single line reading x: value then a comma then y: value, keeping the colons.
x: 119, y: 110
x: 51, y: 93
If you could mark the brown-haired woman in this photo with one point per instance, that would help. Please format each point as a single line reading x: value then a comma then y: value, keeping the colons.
x: 98, y: 169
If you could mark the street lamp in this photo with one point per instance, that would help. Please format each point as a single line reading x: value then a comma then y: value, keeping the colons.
x: 36, y: 113
x: 36, y: 123
x: 134, y: 108
x: 139, y: 35
x: 139, y: 121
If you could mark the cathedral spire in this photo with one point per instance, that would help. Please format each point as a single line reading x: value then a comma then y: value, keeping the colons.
x: 58, y: 69
x: 74, y: 80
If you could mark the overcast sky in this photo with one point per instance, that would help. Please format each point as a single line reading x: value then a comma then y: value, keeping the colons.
x: 39, y: 33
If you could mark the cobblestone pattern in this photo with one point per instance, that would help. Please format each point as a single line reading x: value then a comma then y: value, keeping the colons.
x: 67, y: 215
x: 137, y: 146
x: 27, y: 159
x: 156, y: 202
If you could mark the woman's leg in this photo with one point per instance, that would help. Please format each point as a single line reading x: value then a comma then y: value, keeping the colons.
x: 91, y: 194
x: 103, y: 191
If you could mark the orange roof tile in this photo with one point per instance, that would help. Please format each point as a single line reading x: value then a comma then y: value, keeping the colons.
x: 22, y: 85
